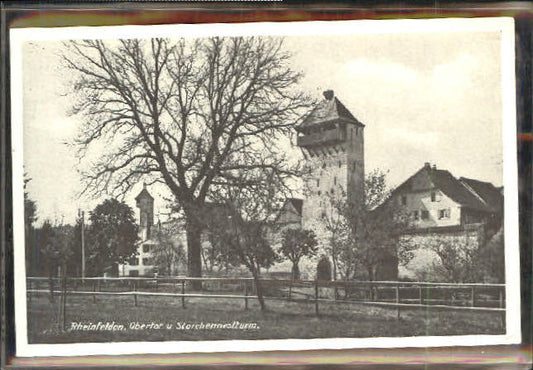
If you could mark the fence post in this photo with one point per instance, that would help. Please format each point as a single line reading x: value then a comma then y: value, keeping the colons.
x: 94, y: 291
x: 398, y: 301
x: 316, y: 297
x: 420, y: 296
x: 245, y: 295
x: 51, y: 283
x: 64, y: 301
x: 28, y: 290
x: 473, y: 293
x: 290, y: 289
x: 183, y: 294
x: 134, y: 294
x: 501, y: 298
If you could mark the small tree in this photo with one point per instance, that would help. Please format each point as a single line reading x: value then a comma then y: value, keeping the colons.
x: 54, y: 247
x: 251, y: 211
x: 295, y: 244
x: 30, y: 216
x: 491, y: 258
x: 112, y: 235
x: 367, y: 235
x: 168, y: 252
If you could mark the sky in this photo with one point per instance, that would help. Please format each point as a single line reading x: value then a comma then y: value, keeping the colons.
x: 424, y: 97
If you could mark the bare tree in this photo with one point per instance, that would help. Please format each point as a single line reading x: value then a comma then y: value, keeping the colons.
x: 168, y: 252
x: 367, y: 235
x: 186, y: 113
x: 250, y: 222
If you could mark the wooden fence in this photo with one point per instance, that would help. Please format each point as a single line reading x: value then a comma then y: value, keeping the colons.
x: 388, y: 294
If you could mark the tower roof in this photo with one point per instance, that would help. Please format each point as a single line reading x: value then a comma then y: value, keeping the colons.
x: 144, y: 194
x: 329, y: 109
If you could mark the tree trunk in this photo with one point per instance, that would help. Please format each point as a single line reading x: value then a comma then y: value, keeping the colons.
x: 194, y: 251
x: 295, y: 271
x: 259, y: 290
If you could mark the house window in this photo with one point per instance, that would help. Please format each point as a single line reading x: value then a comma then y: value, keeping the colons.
x: 335, y: 180
x: 323, y: 215
x: 134, y: 273
x: 146, y: 248
x: 331, y: 191
x: 340, y: 163
x: 147, y: 261
x: 444, y: 213
x: 433, y: 196
x: 134, y: 261
x: 424, y: 214
x: 416, y: 215
x: 317, y: 183
x: 319, y: 192
x: 324, y: 165
x: 354, y: 164
x: 404, y: 200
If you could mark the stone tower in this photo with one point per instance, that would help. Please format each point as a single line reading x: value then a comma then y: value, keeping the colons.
x: 145, y: 203
x: 332, y: 141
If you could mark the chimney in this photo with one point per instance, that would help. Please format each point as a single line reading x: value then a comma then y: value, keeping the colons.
x: 427, y: 165
x: 328, y: 94
x: 434, y: 167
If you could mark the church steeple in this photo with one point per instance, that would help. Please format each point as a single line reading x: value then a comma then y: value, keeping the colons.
x: 145, y: 203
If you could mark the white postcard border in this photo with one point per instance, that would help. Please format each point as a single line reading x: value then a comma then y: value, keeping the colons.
x: 504, y: 25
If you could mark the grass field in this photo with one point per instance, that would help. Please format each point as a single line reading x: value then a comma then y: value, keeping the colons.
x: 204, y: 319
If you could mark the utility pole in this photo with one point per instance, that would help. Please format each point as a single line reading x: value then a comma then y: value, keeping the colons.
x: 82, y: 216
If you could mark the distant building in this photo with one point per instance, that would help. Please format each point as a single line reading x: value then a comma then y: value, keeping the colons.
x: 465, y: 212
x: 143, y: 264
x: 332, y: 141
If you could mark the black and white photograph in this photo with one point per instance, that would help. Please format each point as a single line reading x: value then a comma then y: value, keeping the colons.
x: 267, y: 186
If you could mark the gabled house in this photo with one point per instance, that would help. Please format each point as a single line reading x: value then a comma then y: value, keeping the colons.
x: 434, y: 198
x: 463, y: 212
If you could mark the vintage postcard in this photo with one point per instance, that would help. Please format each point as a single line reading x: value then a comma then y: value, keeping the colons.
x: 265, y: 186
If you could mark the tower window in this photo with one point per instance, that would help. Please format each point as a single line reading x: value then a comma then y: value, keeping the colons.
x: 332, y: 190
x: 319, y: 192
x: 324, y: 165
x: 340, y: 164
x: 335, y: 180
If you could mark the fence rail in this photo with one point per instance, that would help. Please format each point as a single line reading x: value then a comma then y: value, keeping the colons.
x: 394, y: 294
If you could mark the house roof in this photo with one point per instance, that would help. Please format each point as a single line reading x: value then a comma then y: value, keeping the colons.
x: 469, y: 193
x: 329, y: 109
x: 456, y: 190
x: 491, y: 195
